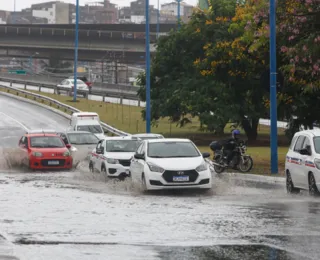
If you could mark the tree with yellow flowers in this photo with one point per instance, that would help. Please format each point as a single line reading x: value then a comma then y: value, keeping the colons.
x: 178, y: 89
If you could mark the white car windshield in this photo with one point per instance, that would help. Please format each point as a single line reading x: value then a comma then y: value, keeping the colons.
x: 83, y: 138
x: 46, y: 142
x: 316, y: 141
x: 121, y: 146
x: 172, y: 150
x: 95, y: 129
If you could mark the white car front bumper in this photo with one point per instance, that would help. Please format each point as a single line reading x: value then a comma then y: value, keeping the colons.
x: 163, y: 181
x: 117, y: 170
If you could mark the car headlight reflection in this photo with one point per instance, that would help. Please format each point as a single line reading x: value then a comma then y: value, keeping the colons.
x: 202, y: 167
x: 112, y: 161
x: 37, y: 154
x: 155, y: 168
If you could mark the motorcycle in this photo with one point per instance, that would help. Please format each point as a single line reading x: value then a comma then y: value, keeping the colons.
x: 240, y: 160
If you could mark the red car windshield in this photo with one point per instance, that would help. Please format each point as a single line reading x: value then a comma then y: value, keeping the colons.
x: 46, y: 142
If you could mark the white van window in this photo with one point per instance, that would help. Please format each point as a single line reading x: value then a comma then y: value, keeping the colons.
x: 95, y: 129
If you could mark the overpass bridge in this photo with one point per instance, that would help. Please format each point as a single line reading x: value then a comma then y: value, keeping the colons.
x: 96, y: 41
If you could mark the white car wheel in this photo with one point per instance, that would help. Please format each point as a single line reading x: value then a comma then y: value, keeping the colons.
x: 104, y: 172
x: 144, y: 183
x: 91, y: 169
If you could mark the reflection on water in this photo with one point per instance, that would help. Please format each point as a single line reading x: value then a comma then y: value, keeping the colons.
x: 226, y: 252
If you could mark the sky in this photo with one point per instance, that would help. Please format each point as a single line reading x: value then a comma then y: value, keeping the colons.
x: 21, y: 4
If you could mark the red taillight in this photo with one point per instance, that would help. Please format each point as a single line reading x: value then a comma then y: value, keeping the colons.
x: 89, y: 84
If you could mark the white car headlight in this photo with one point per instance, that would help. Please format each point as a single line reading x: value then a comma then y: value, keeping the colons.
x: 112, y: 161
x: 37, y: 154
x: 202, y: 167
x: 155, y: 168
x: 317, y: 163
x: 66, y: 154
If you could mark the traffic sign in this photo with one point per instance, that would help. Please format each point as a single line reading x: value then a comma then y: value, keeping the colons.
x: 20, y: 72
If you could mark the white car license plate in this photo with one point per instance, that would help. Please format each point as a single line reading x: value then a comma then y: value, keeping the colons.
x: 53, y: 162
x: 180, y: 178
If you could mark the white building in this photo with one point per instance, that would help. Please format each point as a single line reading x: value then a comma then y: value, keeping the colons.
x: 172, y: 9
x: 138, y: 19
x: 56, y: 12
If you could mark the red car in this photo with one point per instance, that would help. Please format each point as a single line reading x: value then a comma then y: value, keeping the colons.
x: 43, y: 151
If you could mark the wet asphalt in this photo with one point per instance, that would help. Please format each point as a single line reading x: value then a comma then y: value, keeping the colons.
x: 79, y: 215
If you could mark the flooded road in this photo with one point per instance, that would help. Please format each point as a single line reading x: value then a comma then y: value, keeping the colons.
x: 78, y: 215
x: 69, y: 216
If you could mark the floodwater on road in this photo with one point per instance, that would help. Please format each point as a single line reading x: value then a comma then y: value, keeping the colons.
x: 77, y: 215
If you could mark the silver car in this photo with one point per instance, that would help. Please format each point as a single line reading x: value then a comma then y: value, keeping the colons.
x: 82, y: 143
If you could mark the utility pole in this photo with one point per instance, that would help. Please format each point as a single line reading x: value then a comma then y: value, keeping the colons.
x: 148, y: 105
x: 76, y: 44
x: 178, y: 16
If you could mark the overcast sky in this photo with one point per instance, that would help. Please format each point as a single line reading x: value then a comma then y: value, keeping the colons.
x: 20, y: 4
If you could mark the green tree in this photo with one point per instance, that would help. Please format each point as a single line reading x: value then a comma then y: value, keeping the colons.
x: 178, y: 89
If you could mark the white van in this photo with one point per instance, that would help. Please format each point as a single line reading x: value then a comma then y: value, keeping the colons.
x: 87, y: 121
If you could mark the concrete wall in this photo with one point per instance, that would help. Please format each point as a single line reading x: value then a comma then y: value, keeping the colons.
x: 62, y: 13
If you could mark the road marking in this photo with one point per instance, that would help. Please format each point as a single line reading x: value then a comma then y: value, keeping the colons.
x: 16, y: 121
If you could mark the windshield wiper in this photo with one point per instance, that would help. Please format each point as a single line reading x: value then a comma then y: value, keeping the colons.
x: 158, y: 156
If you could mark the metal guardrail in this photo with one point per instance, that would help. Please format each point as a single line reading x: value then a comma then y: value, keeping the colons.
x: 56, y: 79
x: 59, y: 105
x: 113, y: 93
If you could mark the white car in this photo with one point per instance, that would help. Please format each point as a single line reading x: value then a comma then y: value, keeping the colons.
x: 82, y: 143
x: 112, y: 156
x: 303, y: 162
x: 148, y: 136
x: 68, y: 85
x: 170, y: 164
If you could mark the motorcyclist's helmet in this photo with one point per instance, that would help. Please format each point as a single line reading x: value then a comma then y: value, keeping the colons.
x: 235, y: 133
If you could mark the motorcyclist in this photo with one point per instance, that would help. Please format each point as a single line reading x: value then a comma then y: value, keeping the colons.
x: 228, y: 146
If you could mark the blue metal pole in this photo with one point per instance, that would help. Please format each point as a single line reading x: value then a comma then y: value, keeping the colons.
x: 76, y: 44
x: 178, y: 13
x: 14, y: 12
x: 30, y: 65
x: 273, y: 90
x: 158, y: 19
x: 148, y: 105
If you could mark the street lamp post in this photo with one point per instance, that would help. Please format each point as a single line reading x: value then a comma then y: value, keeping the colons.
x: 158, y: 19
x: 273, y: 90
x: 178, y: 13
x: 76, y: 43
x: 148, y: 105
x: 14, y: 11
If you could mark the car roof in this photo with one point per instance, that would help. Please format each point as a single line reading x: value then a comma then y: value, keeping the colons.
x: 41, y: 131
x: 119, y: 138
x: 166, y: 140
x: 147, y: 134
x: 43, y: 134
x: 312, y: 132
x: 78, y: 132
